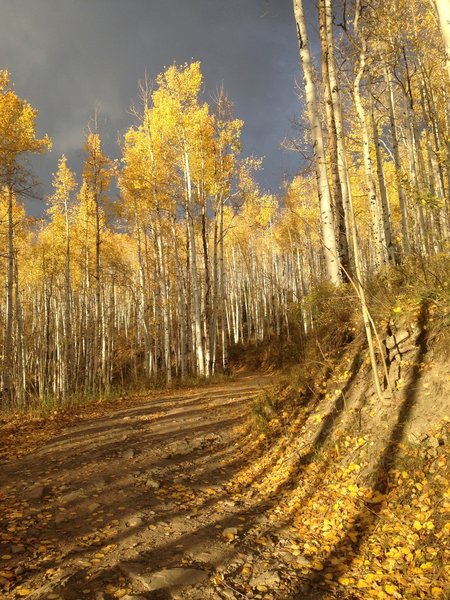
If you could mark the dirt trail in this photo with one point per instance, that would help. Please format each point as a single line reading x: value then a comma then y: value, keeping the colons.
x: 133, y: 504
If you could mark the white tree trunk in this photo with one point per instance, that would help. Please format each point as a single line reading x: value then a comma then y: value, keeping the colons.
x: 328, y: 232
x: 443, y: 9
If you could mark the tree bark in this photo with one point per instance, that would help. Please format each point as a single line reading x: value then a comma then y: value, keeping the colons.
x: 327, y: 221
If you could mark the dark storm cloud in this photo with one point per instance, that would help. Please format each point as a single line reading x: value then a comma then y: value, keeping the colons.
x: 69, y: 57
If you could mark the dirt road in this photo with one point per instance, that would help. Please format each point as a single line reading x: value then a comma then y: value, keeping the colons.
x: 132, y: 505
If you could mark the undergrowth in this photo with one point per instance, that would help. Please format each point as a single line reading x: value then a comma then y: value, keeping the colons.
x: 43, y: 406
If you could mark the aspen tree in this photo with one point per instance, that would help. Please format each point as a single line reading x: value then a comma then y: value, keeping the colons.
x: 443, y: 10
x: 340, y: 193
x: 17, y: 139
x: 97, y: 175
x: 377, y: 233
x: 328, y: 231
x: 64, y: 184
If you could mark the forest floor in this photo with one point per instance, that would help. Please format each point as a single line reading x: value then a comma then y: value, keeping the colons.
x: 134, y: 503
x: 241, y: 489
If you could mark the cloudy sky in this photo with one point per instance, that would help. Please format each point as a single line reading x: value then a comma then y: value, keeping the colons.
x: 68, y: 57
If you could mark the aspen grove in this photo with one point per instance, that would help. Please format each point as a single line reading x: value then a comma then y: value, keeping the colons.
x: 152, y: 267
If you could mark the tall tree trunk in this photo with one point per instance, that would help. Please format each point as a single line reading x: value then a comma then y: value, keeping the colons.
x: 385, y: 208
x: 338, y: 196
x: 328, y: 231
x: 223, y: 307
x: 197, y: 323
x: 377, y: 234
x: 397, y: 163
x: 443, y: 9
x: 8, y: 359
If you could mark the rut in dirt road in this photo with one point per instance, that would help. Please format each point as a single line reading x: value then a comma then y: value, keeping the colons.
x: 131, y: 504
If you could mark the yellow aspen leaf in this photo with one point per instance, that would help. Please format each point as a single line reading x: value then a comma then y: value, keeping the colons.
x: 326, y: 525
x: 361, y: 584
x: 7, y: 574
x: 390, y: 589
x: 437, y: 592
x: 426, y: 566
x: 377, y: 498
x: 353, y: 536
x: 22, y: 592
x: 417, y: 525
x: 353, y: 467
x: 262, y: 541
x: 346, y: 580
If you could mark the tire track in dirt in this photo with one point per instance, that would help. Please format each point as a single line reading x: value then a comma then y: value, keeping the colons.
x: 130, y: 504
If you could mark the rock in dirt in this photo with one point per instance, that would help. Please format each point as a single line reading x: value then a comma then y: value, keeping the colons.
x: 397, y: 339
x: 88, y: 507
x: 230, y: 533
x: 159, y: 580
x: 128, y: 454
x: 179, y: 576
x: 37, y: 492
x: 431, y: 442
x: 215, y: 555
x: 179, y: 448
x: 302, y: 561
x: 268, y: 579
x: 72, y: 497
x: 101, y: 482
x: 186, y: 446
x: 60, y: 518
x: 152, y: 483
x: 135, y: 521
